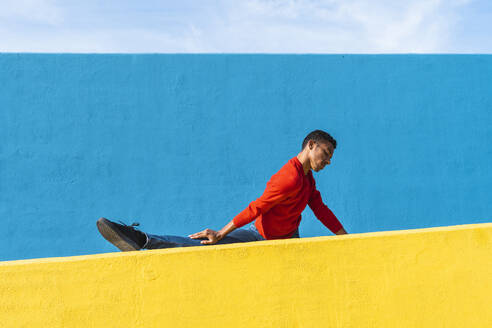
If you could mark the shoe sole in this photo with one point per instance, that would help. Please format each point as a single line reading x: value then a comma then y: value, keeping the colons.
x: 124, y: 244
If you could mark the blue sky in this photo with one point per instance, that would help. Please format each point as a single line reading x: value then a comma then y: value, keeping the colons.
x: 246, y: 26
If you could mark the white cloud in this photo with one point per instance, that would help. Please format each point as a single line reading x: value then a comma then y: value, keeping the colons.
x: 266, y: 26
x: 344, y: 25
x: 31, y: 11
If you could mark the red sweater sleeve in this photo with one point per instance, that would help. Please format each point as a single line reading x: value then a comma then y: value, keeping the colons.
x: 277, y: 189
x: 322, y: 212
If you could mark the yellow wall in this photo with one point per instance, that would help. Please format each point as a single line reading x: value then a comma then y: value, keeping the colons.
x: 438, y: 277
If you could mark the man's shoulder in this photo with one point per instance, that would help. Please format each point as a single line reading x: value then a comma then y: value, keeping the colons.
x: 288, y: 175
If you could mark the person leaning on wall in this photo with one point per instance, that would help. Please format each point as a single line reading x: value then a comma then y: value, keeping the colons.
x: 276, y: 214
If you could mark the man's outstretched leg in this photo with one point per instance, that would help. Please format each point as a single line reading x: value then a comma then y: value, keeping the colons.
x: 128, y: 238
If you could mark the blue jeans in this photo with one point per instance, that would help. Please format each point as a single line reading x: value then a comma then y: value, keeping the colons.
x: 236, y: 236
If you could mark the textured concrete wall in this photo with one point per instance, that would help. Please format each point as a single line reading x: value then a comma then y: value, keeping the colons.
x: 438, y: 277
x: 185, y: 142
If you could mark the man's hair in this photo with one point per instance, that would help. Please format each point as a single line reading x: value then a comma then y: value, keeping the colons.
x: 318, y: 135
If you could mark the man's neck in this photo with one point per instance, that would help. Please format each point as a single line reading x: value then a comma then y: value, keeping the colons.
x: 303, y: 158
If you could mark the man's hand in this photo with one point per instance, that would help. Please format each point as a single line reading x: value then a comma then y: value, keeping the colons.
x: 212, y: 236
x: 341, y: 232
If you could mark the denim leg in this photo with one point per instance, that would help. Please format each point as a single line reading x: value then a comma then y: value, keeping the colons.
x: 169, y: 241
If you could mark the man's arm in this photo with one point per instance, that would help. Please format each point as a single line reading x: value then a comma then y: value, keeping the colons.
x: 212, y: 235
x: 277, y: 189
x: 324, y: 214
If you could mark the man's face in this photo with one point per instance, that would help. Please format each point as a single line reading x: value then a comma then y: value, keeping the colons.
x: 320, y: 154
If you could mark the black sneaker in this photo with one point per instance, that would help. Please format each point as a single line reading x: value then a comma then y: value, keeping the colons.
x: 123, y: 236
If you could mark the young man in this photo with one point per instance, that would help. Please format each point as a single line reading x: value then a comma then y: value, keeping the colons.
x: 277, y: 213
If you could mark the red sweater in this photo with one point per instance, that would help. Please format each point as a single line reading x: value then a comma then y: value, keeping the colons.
x: 278, y: 210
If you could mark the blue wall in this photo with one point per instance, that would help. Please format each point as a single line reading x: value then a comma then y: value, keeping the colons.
x: 185, y: 142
